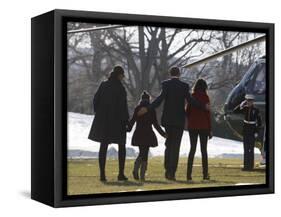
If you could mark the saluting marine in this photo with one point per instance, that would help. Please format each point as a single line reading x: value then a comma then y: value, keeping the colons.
x: 252, y: 122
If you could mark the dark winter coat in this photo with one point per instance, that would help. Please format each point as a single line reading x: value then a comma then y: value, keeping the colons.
x: 174, y: 93
x: 144, y: 135
x: 111, y: 113
x: 198, y: 118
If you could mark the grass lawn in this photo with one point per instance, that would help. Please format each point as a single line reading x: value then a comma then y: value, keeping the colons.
x: 83, y: 176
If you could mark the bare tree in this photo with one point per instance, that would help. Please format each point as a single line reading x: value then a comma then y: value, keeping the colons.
x: 147, y: 53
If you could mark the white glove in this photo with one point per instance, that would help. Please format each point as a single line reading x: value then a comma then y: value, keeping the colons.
x: 243, y: 104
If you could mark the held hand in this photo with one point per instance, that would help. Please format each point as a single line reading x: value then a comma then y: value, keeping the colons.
x: 142, y: 111
x: 208, y: 107
x: 128, y: 128
x: 210, y: 135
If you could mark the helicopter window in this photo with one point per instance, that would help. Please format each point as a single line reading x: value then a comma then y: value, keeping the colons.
x: 259, y: 86
x: 249, y: 75
x: 251, y: 84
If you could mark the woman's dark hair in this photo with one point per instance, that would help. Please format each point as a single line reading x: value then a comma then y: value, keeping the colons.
x: 200, y: 85
x: 117, y: 70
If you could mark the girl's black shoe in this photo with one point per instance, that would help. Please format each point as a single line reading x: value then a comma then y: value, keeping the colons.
x: 189, y: 180
x: 206, y: 178
x: 136, y: 175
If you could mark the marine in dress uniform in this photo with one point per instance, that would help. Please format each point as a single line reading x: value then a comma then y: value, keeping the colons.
x: 252, y: 121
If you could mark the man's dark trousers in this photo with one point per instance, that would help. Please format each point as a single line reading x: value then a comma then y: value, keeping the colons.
x: 249, y: 144
x: 172, y: 150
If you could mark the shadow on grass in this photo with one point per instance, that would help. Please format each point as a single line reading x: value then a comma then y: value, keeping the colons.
x: 260, y: 170
x: 196, y: 182
x: 241, y: 176
x: 136, y: 183
x: 156, y: 182
x: 125, y: 183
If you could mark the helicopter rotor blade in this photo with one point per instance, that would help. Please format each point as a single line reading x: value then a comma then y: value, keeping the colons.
x: 226, y: 51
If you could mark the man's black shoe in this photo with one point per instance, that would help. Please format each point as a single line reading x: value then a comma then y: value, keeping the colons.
x: 171, y: 178
x: 103, y: 179
x: 206, y: 178
x: 122, y: 178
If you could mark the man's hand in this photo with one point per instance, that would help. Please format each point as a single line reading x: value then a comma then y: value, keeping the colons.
x: 142, y: 111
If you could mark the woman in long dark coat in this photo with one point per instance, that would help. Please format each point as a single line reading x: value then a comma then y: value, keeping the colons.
x: 111, y: 119
x: 144, y: 137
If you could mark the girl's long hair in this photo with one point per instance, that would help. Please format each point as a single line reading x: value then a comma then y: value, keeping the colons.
x: 200, y: 85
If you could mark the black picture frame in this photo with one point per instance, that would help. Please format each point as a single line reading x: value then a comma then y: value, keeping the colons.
x: 48, y: 108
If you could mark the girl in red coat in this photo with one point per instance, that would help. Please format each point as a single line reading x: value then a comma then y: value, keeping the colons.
x: 199, y: 125
x: 144, y: 137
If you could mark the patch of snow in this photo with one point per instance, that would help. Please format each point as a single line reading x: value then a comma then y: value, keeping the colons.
x: 79, y: 126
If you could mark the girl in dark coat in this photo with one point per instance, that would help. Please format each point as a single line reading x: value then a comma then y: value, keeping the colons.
x: 199, y: 125
x: 144, y: 137
x: 111, y: 119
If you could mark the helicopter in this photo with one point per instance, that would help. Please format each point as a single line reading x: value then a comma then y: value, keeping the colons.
x: 253, y: 82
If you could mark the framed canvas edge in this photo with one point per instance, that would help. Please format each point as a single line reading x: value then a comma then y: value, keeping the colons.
x: 60, y: 200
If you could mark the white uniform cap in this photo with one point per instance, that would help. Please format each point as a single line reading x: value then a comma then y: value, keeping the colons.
x: 250, y: 96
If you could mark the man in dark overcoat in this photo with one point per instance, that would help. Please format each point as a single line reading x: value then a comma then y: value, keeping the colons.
x: 111, y: 119
x: 174, y: 93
